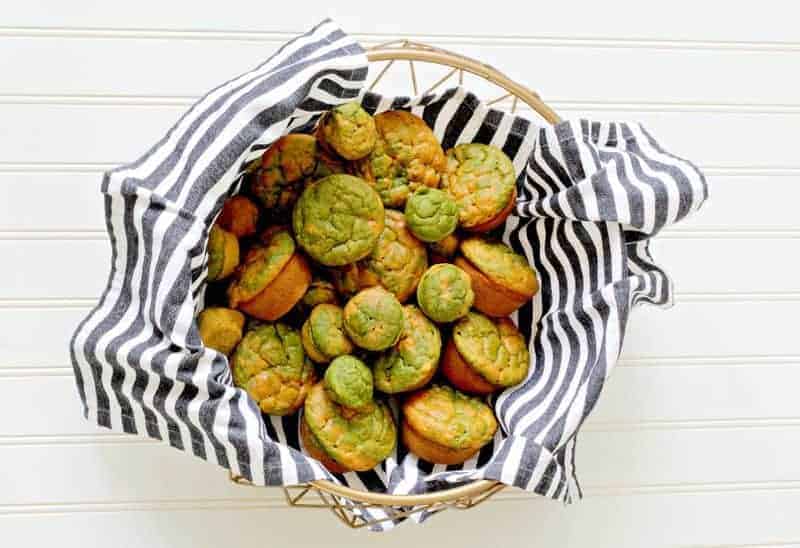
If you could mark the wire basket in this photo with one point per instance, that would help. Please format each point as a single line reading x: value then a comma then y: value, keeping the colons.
x: 345, y: 502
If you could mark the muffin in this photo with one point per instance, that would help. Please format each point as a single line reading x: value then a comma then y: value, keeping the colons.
x: 349, y: 383
x: 272, y: 278
x: 349, y: 130
x: 356, y: 441
x: 412, y: 362
x: 223, y: 254
x: 482, y: 181
x: 319, y: 292
x: 397, y: 261
x: 347, y: 279
x: 431, y: 214
x: 443, y: 426
x: 314, y: 449
x: 444, y: 293
x: 406, y: 156
x: 239, y: 216
x: 270, y: 365
x: 284, y: 167
x: 323, y: 334
x: 485, y: 355
x: 338, y: 220
x: 220, y: 328
x: 373, y: 319
x: 443, y: 250
x: 502, y: 279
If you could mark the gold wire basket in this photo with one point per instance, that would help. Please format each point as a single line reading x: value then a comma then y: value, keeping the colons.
x: 347, y: 503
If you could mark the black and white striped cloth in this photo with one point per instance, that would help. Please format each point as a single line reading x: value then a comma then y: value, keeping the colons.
x: 591, y: 195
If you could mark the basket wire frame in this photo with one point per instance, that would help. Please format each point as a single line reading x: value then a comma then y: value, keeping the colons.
x: 349, y: 504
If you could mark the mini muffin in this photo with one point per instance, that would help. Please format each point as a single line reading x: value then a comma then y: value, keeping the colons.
x: 411, y: 363
x: 239, y: 216
x: 443, y: 250
x: 502, y: 279
x: 482, y: 181
x: 349, y: 130
x: 320, y: 291
x: 270, y: 365
x: 284, y: 168
x: 314, y: 449
x: 273, y: 277
x: 431, y: 214
x: 349, y: 383
x: 223, y: 254
x: 221, y: 328
x: 397, y: 261
x: 356, y: 441
x: 406, y: 156
x: 485, y: 355
x: 338, y: 220
x: 445, y: 293
x: 373, y: 319
x: 323, y: 334
x: 444, y: 426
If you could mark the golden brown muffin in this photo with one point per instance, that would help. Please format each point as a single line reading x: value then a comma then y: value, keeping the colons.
x: 482, y: 181
x: 223, y: 254
x: 323, y: 334
x: 321, y: 291
x: 285, y: 166
x: 314, y: 449
x: 239, y: 216
x: 396, y: 263
x: 443, y: 426
x: 272, y: 278
x: 443, y: 250
x: 406, y: 156
x: 356, y: 440
x: 349, y: 130
x: 221, y: 328
x: 485, y: 354
x: 501, y: 279
x: 270, y: 365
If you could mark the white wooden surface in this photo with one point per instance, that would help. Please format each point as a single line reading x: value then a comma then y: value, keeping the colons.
x: 697, y: 438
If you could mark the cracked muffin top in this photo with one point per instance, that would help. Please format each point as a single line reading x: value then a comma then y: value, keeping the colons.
x: 269, y: 363
x: 445, y: 293
x: 450, y: 418
x: 284, y: 168
x: 413, y: 360
x: 501, y: 264
x: 406, y: 156
x: 431, y: 214
x: 349, y: 130
x: 323, y: 334
x: 349, y: 382
x: 373, y: 319
x: 481, y: 179
x: 261, y: 265
x: 493, y: 347
x: 358, y: 441
x: 338, y: 219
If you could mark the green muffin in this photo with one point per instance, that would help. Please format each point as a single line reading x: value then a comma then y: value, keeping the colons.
x: 373, y: 319
x: 220, y: 328
x: 406, y: 156
x: 349, y: 382
x: 338, y: 220
x: 349, y: 130
x: 482, y: 181
x: 494, y: 348
x: 223, y: 254
x: 431, y: 214
x: 285, y: 166
x: 357, y: 441
x: 445, y: 293
x: 261, y: 266
x: 323, y: 334
x: 397, y: 261
x: 270, y: 365
x: 411, y: 363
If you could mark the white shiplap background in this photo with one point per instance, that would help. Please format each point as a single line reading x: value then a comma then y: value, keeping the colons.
x: 697, y: 438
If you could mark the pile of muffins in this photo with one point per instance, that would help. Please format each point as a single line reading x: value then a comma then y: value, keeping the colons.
x: 359, y: 264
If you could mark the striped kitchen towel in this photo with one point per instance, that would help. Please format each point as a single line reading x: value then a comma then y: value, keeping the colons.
x: 591, y: 195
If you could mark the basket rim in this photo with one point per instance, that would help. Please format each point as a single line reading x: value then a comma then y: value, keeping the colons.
x: 452, y: 494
